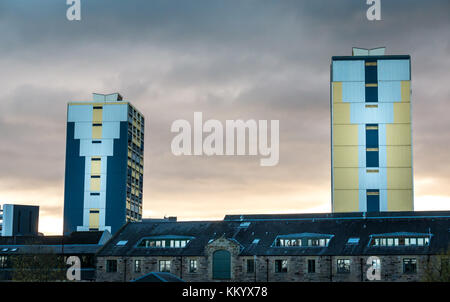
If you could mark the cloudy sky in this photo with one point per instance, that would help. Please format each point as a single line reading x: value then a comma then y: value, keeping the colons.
x: 247, y: 59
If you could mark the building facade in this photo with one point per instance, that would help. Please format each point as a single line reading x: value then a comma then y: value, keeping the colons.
x: 19, y: 220
x: 371, y: 132
x: 18, y: 253
x: 104, y: 164
x: 401, y: 246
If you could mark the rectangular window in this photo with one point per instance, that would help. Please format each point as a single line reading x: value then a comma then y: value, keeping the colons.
x: 311, y: 266
x: 250, y: 265
x: 281, y: 266
x: 376, y: 263
x: 3, y: 261
x: 390, y: 241
x: 95, y: 166
x: 409, y: 265
x: 372, y: 144
x: 371, y: 72
x: 97, y: 113
x: 193, y: 266
x: 164, y: 266
x: 96, y: 130
x: 96, y: 142
x: 111, y: 266
x: 343, y: 266
x: 94, y: 219
x: 373, y: 200
x: 137, y: 266
x: 372, y: 136
x: 372, y: 158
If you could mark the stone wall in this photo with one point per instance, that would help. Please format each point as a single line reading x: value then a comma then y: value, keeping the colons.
x: 297, y: 267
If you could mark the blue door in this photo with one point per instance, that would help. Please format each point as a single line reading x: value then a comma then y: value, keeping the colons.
x: 221, y: 265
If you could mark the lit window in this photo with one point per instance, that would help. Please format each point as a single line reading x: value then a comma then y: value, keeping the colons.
x: 193, y: 266
x: 163, y: 243
x: 343, y: 266
x: 164, y: 266
x: 281, y: 266
x: 137, y: 266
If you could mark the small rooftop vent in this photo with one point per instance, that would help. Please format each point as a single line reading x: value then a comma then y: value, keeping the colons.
x: 379, y: 51
x: 244, y: 224
x: 353, y: 240
x: 122, y: 243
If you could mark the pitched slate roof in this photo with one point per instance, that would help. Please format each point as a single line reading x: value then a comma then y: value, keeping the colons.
x: 244, y: 229
x: 75, y: 243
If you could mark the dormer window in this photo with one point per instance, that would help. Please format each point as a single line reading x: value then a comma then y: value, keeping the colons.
x: 400, y: 239
x: 173, y: 241
x: 303, y: 240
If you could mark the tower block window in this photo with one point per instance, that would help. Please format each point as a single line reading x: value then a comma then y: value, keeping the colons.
x: 372, y: 142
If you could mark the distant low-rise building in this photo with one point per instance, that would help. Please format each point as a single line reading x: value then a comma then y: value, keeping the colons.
x: 19, y: 220
x: 15, y: 253
x: 400, y: 246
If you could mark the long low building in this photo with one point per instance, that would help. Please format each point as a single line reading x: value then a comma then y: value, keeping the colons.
x: 386, y: 246
x: 43, y: 258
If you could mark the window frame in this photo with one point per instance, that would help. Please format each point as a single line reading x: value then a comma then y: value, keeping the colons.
x: 137, y: 265
x: 165, y: 266
x: 339, y: 268
x: 250, y: 267
x: 412, y: 263
x: 193, y: 268
x: 311, y: 269
x: 281, y: 266
x: 111, y: 265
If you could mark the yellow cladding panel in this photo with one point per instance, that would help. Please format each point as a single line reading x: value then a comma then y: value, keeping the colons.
x: 96, y: 132
x: 97, y: 115
x: 95, y: 167
x: 345, y: 178
x: 345, y: 156
x: 337, y: 92
x: 406, y: 91
x: 398, y: 156
x: 345, y: 135
x: 398, y: 134
x: 400, y: 200
x: 402, y: 113
x: 94, y: 219
x: 95, y: 184
x: 399, y: 178
x: 341, y: 113
x: 346, y: 201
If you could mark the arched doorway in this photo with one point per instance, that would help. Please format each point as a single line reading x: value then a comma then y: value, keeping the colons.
x: 222, y: 265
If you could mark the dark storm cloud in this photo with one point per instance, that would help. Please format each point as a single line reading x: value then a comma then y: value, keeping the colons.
x: 253, y: 59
